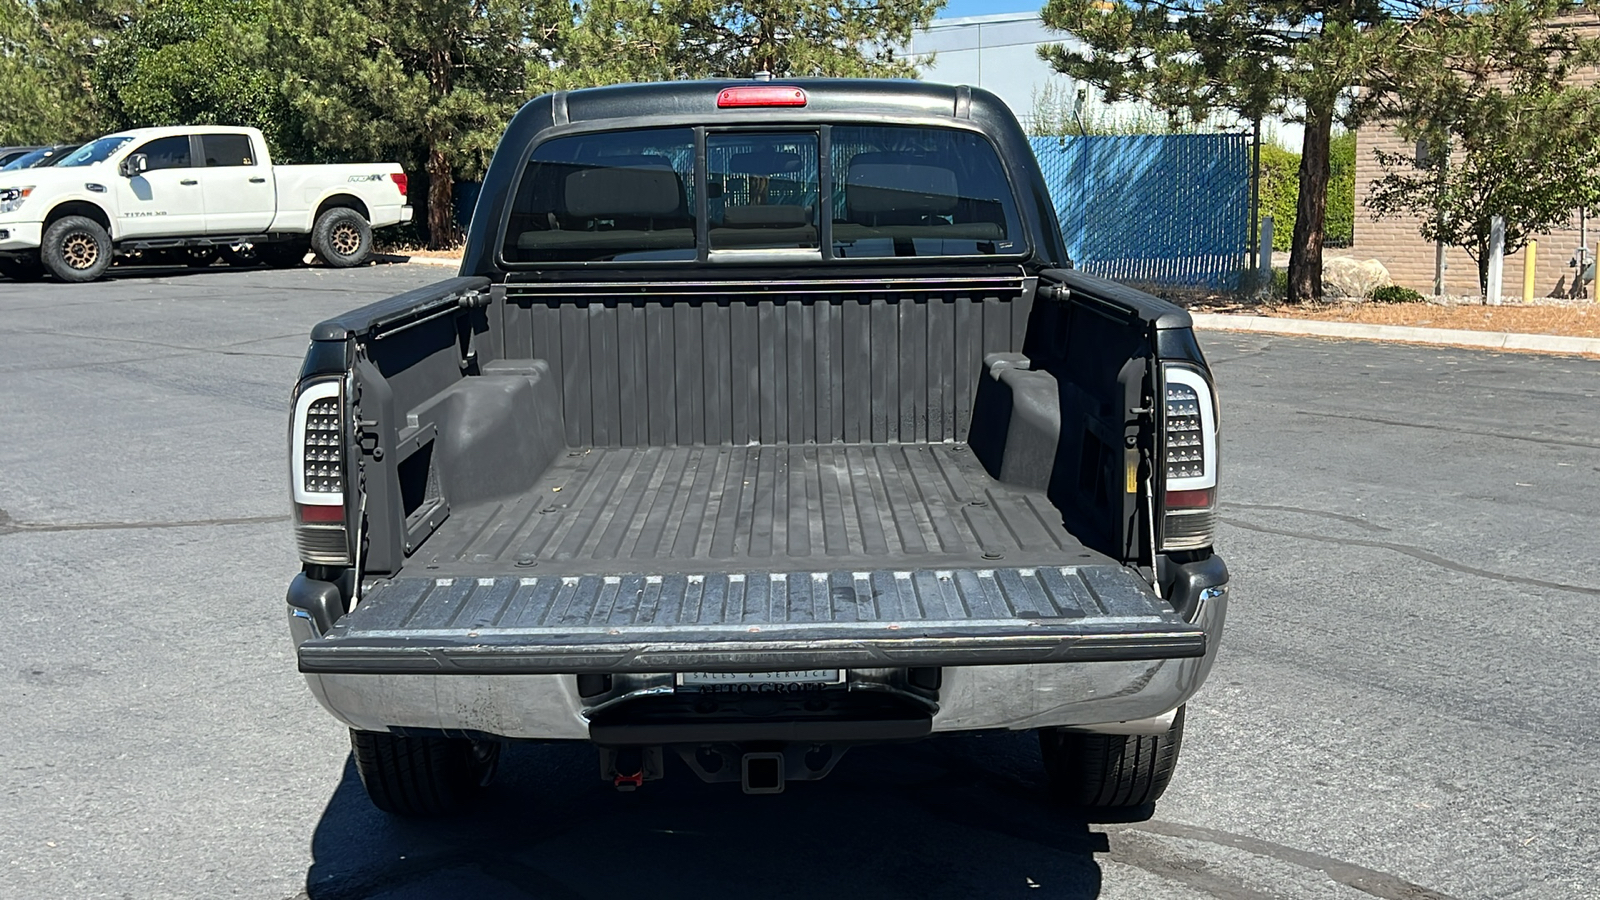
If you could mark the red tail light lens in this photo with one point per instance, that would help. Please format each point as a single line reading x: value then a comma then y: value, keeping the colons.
x: 401, y: 181
x: 1189, y: 499
x: 321, y: 514
x: 760, y: 95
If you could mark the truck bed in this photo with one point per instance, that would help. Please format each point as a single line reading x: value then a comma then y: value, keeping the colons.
x: 789, y: 556
x: 712, y: 509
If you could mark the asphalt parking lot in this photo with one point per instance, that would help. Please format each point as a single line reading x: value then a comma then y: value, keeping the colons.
x: 1403, y: 707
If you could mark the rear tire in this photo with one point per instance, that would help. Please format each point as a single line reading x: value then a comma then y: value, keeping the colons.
x: 21, y: 268
x: 422, y: 776
x: 76, y: 249
x: 282, y: 254
x: 1111, y: 772
x: 342, y: 237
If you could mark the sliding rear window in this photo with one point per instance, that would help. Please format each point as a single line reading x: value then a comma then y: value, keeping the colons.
x: 909, y: 191
x: 762, y: 191
x: 886, y: 191
x: 618, y: 195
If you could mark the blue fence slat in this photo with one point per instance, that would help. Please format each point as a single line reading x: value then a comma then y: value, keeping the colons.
x: 1164, y: 209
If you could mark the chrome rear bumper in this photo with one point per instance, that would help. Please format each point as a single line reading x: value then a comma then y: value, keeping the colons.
x: 1110, y: 697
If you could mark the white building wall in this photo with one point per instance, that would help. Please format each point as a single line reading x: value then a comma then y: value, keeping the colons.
x: 1000, y: 54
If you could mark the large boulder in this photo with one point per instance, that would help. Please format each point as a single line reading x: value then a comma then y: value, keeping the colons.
x: 1345, y: 277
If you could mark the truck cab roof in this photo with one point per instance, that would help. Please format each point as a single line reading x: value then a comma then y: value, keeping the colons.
x: 782, y: 103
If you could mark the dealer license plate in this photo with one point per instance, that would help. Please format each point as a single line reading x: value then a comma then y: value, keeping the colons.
x: 799, y: 679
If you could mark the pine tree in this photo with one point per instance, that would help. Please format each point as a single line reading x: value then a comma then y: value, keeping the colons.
x: 47, y: 47
x: 1296, y: 59
x: 428, y: 82
x: 639, y: 40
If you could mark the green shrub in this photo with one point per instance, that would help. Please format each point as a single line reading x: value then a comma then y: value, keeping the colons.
x: 1280, y: 191
x: 1280, y: 284
x: 1339, y: 225
x: 1394, y: 293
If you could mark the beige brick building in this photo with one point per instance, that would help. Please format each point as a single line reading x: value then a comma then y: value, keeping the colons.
x: 1394, y: 240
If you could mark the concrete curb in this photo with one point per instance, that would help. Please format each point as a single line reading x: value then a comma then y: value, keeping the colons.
x: 1494, y: 340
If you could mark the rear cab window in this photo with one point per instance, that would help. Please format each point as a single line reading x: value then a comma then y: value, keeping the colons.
x: 886, y: 192
x: 609, y: 196
x: 763, y: 191
x: 902, y: 191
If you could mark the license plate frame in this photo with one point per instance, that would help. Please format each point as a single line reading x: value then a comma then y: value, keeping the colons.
x: 780, y: 681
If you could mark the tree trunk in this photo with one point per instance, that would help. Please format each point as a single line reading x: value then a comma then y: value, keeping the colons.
x: 441, y: 174
x: 1305, y: 251
x: 441, y: 215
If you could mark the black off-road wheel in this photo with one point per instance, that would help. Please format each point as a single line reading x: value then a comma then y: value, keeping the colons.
x: 282, y: 254
x: 1111, y: 773
x: 21, y: 268
x: 422, y: 776
x: 342, y: 237
x: 76, y: 249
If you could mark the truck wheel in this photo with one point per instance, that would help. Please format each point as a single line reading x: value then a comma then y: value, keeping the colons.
x: 282, y: 254
x: 342, y: 237
x: 1111, y: 771
x: 76, y: 249
x: 422, y: 776
x: 21, y: 268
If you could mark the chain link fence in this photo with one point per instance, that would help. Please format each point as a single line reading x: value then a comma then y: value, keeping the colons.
x: 1168, y: 210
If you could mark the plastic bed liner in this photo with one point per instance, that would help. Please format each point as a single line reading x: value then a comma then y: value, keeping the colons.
x: 652, y: 559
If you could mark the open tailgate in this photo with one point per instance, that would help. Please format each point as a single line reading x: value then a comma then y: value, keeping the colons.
x: 752, y: 622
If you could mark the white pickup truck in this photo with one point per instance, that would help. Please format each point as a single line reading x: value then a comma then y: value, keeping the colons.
x: 203, y: 190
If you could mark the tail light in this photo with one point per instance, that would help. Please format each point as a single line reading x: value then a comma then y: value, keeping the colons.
x: 760, y: 95
x: 401, y: 181
x: 317, y: 474
x: 1189, y: 451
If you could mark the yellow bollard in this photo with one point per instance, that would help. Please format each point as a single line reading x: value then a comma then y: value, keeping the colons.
x: 1528, y: 262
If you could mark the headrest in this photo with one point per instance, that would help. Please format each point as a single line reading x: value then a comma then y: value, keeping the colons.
x: 766, y: 216
x: 764, y: 163
x: 640, y: 186
x: 875, y: 185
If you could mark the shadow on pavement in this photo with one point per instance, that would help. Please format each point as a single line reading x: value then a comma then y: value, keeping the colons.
x: 167, y: 271
x: 963, y: 816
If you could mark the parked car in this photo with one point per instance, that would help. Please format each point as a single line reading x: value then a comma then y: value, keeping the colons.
x: 764, y: 420
x: 40, y: 158
x: 8, y: 154
x: 195, y: 190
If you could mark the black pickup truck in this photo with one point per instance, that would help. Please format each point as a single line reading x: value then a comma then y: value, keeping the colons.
x: 765, y: 419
